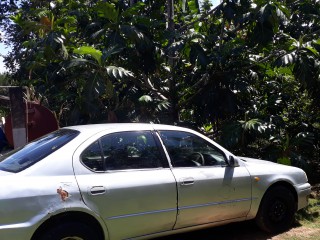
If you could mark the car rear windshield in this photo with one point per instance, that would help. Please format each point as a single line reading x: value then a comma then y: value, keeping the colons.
x: 24, y: 157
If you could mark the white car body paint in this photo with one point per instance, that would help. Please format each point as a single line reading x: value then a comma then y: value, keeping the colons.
x: 174, y: 199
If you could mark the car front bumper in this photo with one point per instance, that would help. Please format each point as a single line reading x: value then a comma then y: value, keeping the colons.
x: 303, y: 192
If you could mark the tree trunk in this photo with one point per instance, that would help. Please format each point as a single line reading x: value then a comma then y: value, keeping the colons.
x: 174, y: 113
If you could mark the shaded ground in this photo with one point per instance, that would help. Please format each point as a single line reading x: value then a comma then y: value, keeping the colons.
x: 246, y: 231
x: 234, y: 231
x: 306, y: 227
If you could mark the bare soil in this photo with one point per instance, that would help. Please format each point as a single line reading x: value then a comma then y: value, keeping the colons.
x: 246, y: 231
x: 306, y: 227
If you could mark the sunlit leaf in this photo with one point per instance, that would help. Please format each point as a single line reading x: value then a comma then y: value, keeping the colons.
x: 286, y: 60
x: 284, y: 161
x: 76, y: 62
x: 118, y: 72
x: 145, y: 98
x: 107, y: 10
x: 87, y: 50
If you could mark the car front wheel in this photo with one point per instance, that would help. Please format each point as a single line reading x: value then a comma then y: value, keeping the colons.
x: 70, y: 231
x: 276, y: 211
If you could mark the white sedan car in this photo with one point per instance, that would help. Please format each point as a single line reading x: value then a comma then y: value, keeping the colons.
x: 138, y: 181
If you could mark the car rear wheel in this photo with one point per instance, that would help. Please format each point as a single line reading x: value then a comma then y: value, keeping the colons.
x: 277, y: 209
x: 71, y: 231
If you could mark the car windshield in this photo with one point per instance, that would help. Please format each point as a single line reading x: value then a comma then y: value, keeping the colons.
x: 22, y: 158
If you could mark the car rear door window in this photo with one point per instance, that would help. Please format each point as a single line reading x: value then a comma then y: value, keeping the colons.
x: 123, y: 151
x: 92, y: 157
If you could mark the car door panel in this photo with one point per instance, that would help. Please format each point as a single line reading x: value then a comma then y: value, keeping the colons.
x: 123, y: 177
x: 132, y: 203
x: 208, y: 189
x: 215, y: 194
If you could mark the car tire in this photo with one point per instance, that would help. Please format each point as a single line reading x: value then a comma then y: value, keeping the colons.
x: 276, y: 211
x: 71, y: 231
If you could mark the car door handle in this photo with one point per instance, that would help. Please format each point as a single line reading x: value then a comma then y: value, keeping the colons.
x: 187, y: 181
x: 97, y: 190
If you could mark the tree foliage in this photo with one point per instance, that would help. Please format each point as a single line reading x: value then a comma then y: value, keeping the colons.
x: 245, y: 72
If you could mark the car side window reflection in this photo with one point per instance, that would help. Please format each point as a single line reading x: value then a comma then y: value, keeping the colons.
x: 131, y: 150
x: 189, y: 150
x: 92, y: 157
x: 123, y: 150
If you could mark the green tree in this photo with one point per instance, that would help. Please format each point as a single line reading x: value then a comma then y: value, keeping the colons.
x: 246, y: 72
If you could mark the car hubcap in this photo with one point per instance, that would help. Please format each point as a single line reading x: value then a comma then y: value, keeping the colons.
x: 277, y: 211
x: 72, y: 238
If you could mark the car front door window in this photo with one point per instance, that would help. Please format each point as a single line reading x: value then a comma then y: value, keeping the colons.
x: 188, y: 150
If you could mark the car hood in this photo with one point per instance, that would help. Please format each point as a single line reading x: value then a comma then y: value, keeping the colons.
x: 265, y: 166
x: 254, y: 161
x: 257, y: 167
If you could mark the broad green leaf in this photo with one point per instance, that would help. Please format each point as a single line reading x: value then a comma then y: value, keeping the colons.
x: 145, y: 98
x: 311, y: 50
x: 286, y: 60
x: 107, y: 10
x: 98, y: 33
x: 207, y: 127
x: 118, y: 72
x: 284, y: 161
x: 17, y: 19
x: 75, y: 63
x: 87, y: 50
x: 66, y: 20
x: 162, y: 105
x: 253, y: 124
x: 137, y: 36
x: 106, y: 53
x: 64, y: 52
x: 194, y: 6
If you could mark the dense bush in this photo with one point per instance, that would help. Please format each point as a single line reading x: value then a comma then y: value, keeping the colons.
x: 245, y: 72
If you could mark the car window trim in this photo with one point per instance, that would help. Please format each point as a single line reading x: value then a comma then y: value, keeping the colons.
x: 163, y: 159
x: 212, y: 145
x: 164, y: 149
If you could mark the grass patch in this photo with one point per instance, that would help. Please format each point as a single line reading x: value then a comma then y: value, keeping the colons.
x: 307, y: 225
x: 309, y: 216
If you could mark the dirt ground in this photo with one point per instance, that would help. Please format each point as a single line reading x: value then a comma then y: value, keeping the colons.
x: 246, y: 231
x: 249, y: 231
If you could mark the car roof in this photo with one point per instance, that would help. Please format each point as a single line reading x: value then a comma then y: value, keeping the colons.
x: 95, y: 128
x: 92, y: 129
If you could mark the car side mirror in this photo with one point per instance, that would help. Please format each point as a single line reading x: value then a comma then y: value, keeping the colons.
x: 233, y: 162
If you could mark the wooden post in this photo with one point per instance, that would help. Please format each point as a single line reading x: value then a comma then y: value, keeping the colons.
x: 18, y: 116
